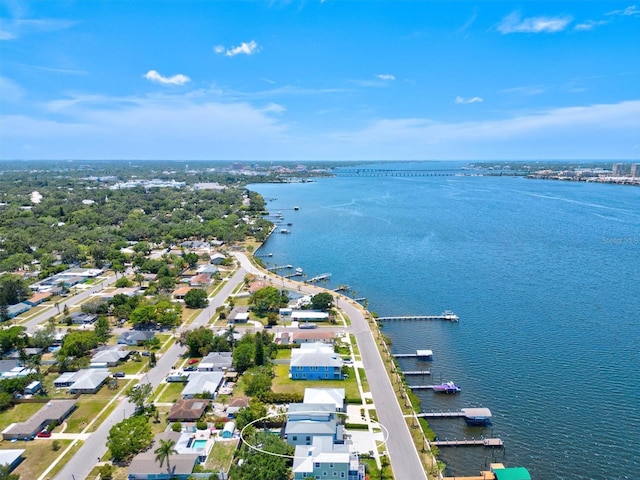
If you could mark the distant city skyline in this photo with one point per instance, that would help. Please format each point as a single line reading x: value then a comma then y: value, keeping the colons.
x: 320, y: 80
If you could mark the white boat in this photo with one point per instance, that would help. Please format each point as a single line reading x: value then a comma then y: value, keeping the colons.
x: 299, y: 271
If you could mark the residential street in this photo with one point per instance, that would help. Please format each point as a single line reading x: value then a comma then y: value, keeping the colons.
x: 94, y: 447
x: 402, y: 452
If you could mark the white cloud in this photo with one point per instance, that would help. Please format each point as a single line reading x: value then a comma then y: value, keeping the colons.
x: 527, y: 90
x: 9, y: 90
x: 513, y: 23
x: 245, y: 48
x: 386, y: 76
x: 463, y: 100
x: 589, y: 25
x: 178, y: 79
x: 630, y: 11
x: 16, y: 28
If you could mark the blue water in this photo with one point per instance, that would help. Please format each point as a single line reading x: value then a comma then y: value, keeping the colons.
x: 545, y: 277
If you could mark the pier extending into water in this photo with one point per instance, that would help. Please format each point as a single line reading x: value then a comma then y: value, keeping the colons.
x: 317, y: 278
x: 423, y: 354
x: 465, y: 442
x: 446, y: 315
x: 416, y: 372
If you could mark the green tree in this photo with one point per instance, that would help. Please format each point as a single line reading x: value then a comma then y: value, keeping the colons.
x: 199, y: 341
x: 13, y: 289
x: 243, y: 354
x: 138, y: 394
x: 268, y: 299
x: 5, y: 473
x: 258, y: 380
x: 164, y: 452
x: 264, y: 467
x: 322, y: 301
x: 196, y: 298
x: 258, y: 356
x: 129, y: 437
x: 123, y: 282
x: 77, y: 343
x: 102, y: 329
x: 191, y: 259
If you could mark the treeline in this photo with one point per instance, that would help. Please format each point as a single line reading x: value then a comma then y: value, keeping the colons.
x: 78, y: 221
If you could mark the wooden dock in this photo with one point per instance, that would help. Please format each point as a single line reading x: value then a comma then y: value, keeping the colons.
x: 440, y: 414
x: 317, y: 278
x: 423, y: 354
x: 473, y: 442
x: 447, y: 315
x: 417, y: 372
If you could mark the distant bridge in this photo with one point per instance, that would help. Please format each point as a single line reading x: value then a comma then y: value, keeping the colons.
x: 383, y: 172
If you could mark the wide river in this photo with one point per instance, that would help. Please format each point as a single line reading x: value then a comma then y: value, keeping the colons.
x: 545, y: 276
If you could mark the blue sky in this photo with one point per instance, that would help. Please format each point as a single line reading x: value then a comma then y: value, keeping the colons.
x: 319, y: 80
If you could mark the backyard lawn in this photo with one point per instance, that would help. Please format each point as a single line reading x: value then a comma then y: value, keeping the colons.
x: 38, y: 456
x: 221, y: 455
x: 282, y: 383
x: 18, y: 413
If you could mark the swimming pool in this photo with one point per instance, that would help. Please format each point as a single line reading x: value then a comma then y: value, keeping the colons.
x: 197, y: 444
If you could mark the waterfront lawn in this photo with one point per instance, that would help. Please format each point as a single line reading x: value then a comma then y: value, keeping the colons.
x: 283, y: 384
x: 38, y: 456
x: 18, y: 413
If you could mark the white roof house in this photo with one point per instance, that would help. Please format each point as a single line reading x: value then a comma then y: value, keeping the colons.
x: 333, y: 396
x: 82, y: 381
x: 109, y: 357
x: 324, y: 459
x: 309, y: 316
x: 315, y: 355
x: 202, y: 382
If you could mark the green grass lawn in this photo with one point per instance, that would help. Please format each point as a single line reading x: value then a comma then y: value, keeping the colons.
x: 86, y: 411
x: 282, y: 383
x: 171, y: 393
x: 38, y: 456
x: 18, y: 413
x: 221, y: 455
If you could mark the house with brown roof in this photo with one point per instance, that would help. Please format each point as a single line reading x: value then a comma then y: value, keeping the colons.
x: 179, y: 293
x: 200, y: 280
x: 38, y: 298
x: 311, y: 336
x: 187, y: 410
x: 236, y: 404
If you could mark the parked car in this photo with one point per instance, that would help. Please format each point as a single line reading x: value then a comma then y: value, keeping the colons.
x: 190, y: 369
x: 118, y: 375
x: 44, y: 434
x: 146, y: 354
x: 193, y: 360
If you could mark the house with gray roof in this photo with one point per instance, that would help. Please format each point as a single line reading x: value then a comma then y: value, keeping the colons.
x: 315, y: 361
x: 108, y: 356
x: 53, y: 410
x: 202, y: 383
x: 216, y: 361
x: 145, y: 467
x: 324, y: 459
x: 11, y: 458
x: 82, y: 381
x: 135, y: 337
x: 81, y: 318
x: 15, y: 310
x: 308, y: 420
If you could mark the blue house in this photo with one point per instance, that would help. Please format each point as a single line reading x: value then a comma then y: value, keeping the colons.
x: 307, y: 421
x: 315, y: 361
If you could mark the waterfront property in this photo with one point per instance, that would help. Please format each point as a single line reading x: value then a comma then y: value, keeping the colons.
x: 307, y: 421
x: 324, y: 459
x: 334, y: 396
x: 315, y: 361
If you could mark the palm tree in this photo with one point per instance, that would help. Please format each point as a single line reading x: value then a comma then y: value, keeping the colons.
x: 164, y: 452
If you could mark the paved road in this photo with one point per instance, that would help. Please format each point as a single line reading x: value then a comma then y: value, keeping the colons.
x: 95, y: 447
x: 402, y: 451
x: 69, y: 302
